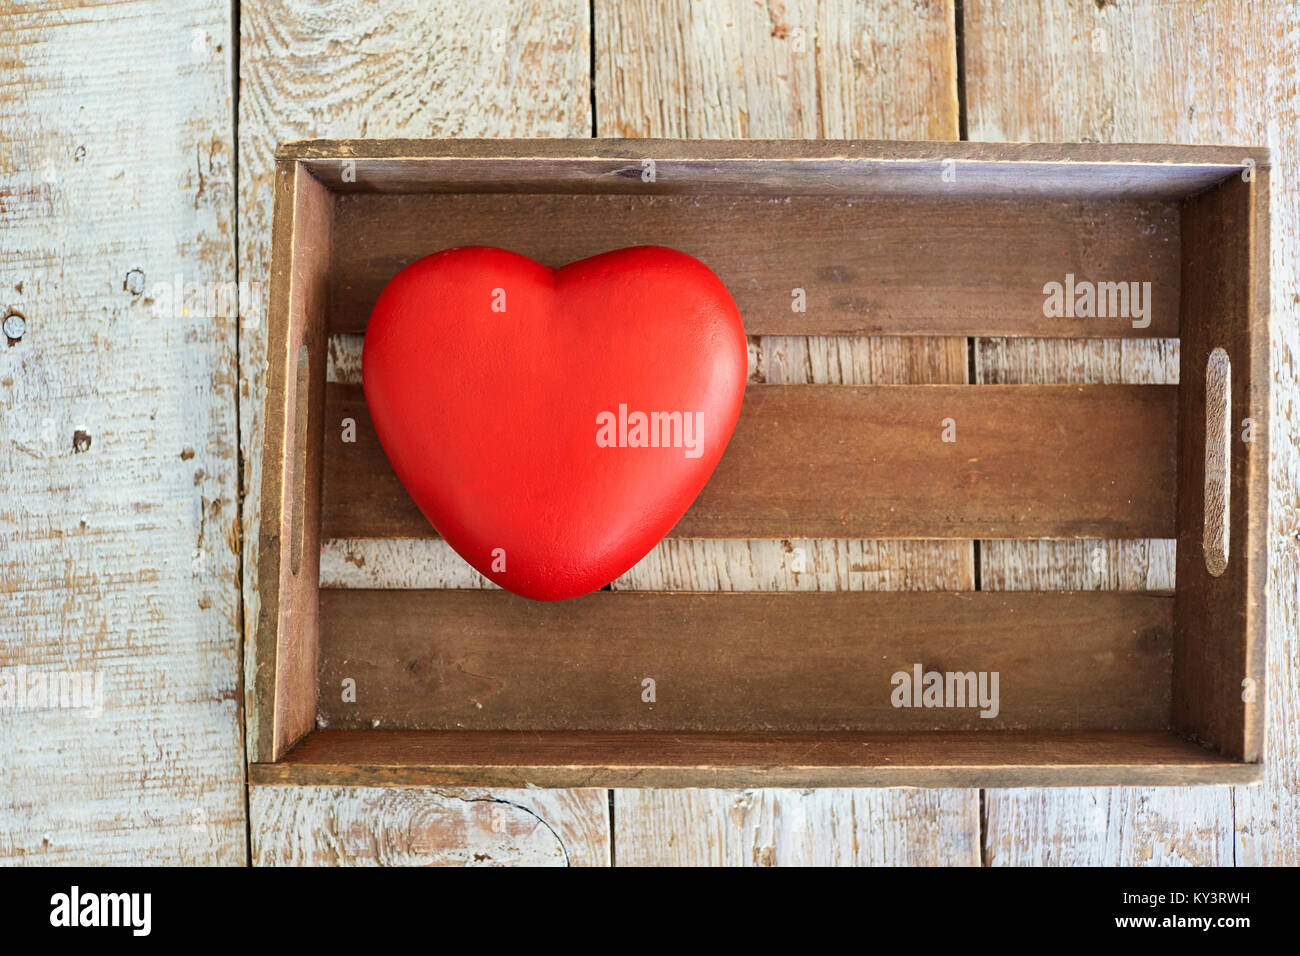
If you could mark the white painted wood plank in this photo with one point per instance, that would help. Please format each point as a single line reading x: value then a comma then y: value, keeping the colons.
x: 797, y: 69
x: 1149, y: 71
x: 802, y: 69
x: 370, y: 826
x: 835, y: 827
x: 118, y: 453
x: 1109, y: 826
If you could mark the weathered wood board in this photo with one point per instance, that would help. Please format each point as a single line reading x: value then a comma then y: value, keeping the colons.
x: 119, y: 523
x: 1155, y: 72
x: 334, y: 826
x: 738, y: 69
x: 833, y: 827
x: 356, y: 69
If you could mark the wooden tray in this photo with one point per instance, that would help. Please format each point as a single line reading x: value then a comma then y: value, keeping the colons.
x: 478, y: 687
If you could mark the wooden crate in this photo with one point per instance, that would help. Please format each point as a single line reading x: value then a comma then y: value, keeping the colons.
x: 478, y: 687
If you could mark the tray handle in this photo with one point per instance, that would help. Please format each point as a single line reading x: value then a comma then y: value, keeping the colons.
x: 1218, y: 485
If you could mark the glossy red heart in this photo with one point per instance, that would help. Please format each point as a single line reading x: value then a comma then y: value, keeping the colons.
x: 554, y: 424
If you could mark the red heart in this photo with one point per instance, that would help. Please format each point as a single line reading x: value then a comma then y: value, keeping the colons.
x: 507, y: 397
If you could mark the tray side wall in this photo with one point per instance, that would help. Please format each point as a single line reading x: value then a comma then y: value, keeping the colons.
x: 1220, y: 622
x: 285, y: 676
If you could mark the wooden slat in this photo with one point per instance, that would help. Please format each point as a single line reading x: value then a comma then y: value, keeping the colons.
x: 489, y: 660
x: 1083, y: 55
x: 566, y: 759
x: 870, y: 461
x: 119, y: 486
x: 898, y: 267
x: 382, y: 68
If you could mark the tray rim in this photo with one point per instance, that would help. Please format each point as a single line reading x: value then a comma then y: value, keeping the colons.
x: 1229, y: 157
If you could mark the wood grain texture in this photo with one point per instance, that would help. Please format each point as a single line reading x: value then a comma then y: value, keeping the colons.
x: 682, y: 564
x: 1212, y: 72
x: 928, y: 461
x: 395, y: 563
x: 801, y: 70
x: 740, y: 662
x: 328, y: 826
x: 771, y: 827
x: 1005, y: 361
x: 118, y: 472
x: 910, y: 267
x: 671, y: 68
x: 1134, y: 565
x: 349, y: 68
x: 1109, y: 826
x: 698, y: 564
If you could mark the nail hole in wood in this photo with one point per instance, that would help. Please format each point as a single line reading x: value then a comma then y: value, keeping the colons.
x: 1218, y: 415
x: 298, y: 487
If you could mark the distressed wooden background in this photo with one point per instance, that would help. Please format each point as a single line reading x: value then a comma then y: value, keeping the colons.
x: 135, y: 153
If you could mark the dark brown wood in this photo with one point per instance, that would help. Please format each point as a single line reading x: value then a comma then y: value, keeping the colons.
x: 566, y: 759
x: 868, y: 169
x: 960, y: 266
x: 287, y: 640
x: 488, y: 660
x: 1029, y: 461
x: 1222, y: 621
